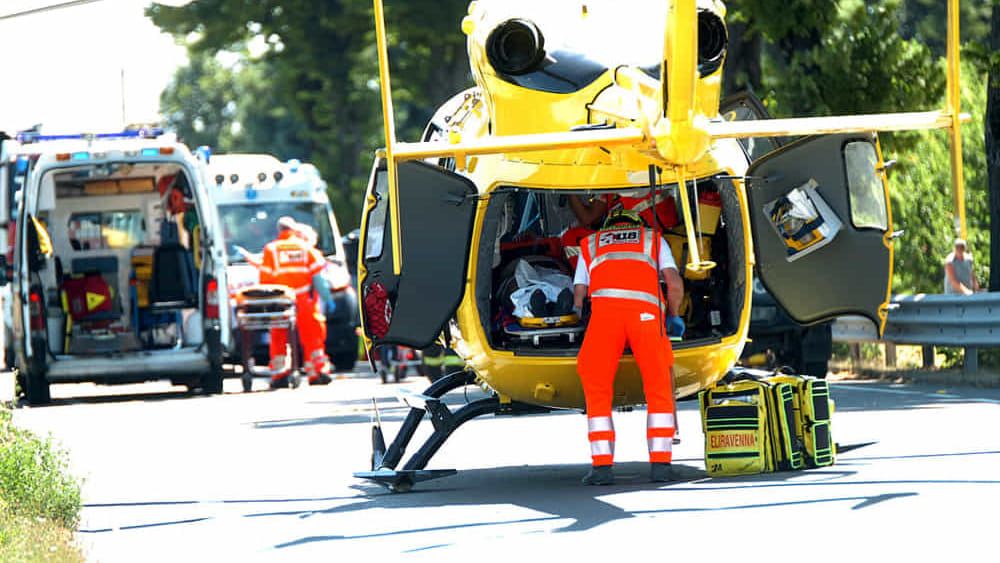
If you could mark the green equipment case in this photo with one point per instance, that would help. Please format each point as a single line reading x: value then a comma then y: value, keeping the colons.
x: 786, y: 441
x: 813, y: 409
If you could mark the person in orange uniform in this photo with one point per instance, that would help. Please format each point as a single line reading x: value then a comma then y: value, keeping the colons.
x: 291, y: 261
x: 620, y: 269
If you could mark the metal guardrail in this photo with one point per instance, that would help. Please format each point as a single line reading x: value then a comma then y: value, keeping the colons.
x: 963, y: 321
x: 931, y: 319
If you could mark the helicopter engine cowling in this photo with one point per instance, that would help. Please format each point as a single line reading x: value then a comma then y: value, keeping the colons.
x: 713, y: 41
x: 515, y: 47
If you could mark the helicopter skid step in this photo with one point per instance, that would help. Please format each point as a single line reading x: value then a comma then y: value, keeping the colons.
x: 385, y: 460
x: 401, y: 481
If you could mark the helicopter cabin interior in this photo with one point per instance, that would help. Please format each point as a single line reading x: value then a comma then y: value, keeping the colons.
x: 535, y: 235
x: 122, y: 274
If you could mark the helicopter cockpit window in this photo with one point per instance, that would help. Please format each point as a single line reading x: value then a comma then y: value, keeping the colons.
x: 377, y: 216
x: 868, y: 208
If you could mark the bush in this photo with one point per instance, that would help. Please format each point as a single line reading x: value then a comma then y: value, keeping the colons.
x: 34, y: 478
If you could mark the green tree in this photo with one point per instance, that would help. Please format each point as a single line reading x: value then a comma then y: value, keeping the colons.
x: 920, y: 189
x: 321, y: 64
x: 924, y: 21
x: 199, y: 104
x: 986, y: 56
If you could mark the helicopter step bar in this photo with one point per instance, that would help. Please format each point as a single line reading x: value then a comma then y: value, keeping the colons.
x: 445, y: 422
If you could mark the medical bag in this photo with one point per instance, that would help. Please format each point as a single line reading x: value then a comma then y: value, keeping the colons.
x: 812, y: 418
x: 735, y: 422
x: 786, y: 441
x: 86, y: 295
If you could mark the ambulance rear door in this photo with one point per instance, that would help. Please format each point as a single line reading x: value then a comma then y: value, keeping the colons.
x: 819, y: 211
x: 436, y: 212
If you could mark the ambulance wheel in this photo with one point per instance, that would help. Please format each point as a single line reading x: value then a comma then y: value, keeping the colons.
x: 211, y: 382
x: 294, y: 381
x: 36, y: 386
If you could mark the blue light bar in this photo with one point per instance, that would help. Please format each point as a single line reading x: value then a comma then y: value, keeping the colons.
x: 150, y: 152
x: 80, y: 156
x: 32, y: 137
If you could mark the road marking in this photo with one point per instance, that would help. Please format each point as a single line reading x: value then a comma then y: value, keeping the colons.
x: 866, y: 388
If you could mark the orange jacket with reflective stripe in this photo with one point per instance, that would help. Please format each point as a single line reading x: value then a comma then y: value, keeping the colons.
x: 290, y: 261
x: 621, y: 262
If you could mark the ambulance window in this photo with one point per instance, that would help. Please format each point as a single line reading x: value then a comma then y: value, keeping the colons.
x: 868, y: 208
x: 108, y: 229
x: 376, y: 217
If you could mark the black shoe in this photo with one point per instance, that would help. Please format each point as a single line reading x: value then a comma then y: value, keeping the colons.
x: 600, y: 475
x: 321, y: 379
x: 564, y: 303
x: 279, y: 382
x: 537, y: 303
x: 660, y: 472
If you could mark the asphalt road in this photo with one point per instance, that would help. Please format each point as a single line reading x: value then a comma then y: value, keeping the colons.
x: 267, y: 476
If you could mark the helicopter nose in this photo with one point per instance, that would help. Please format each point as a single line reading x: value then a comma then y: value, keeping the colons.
x: 515, y: 47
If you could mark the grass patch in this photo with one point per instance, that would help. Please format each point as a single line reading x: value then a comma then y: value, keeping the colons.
x: 39, y: 499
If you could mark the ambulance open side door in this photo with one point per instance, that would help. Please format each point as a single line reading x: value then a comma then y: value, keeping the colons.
x: 822, y: 233
x: 436, y: 212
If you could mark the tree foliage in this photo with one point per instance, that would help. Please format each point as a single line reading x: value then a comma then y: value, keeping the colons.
x: 921, y: 197
x: 304, y: 83
x: 317, y: 67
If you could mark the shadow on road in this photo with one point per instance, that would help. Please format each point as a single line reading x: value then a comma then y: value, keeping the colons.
x: 556, y: 492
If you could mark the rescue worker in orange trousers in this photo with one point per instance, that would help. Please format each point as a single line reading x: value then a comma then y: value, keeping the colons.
x: 293, y: 262
x: 620, y: 270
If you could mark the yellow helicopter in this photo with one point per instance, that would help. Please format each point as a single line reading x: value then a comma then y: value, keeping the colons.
x: 595, y: 99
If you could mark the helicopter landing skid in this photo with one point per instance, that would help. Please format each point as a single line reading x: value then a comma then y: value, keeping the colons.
x: 385, y: 460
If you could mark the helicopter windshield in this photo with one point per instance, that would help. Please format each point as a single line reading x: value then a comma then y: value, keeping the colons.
x: 583, y: 40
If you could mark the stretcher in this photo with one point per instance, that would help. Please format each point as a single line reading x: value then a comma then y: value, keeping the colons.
x: 260, y: 309
x: 536, y: 329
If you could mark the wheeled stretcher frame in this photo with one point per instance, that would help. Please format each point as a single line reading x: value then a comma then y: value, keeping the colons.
x: 263, y: 308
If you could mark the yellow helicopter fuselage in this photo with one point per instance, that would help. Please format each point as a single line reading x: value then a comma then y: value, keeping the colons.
x: 500, y: 107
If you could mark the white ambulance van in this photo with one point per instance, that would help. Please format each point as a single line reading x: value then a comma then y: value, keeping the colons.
x: 119, y: 269
x: 251, y: 192
x: 12, y: 173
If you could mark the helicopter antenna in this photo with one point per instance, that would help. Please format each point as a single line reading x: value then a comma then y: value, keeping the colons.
x: 389, y: 120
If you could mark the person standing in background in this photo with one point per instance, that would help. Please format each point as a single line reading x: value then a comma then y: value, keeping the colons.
x: 959, y: 277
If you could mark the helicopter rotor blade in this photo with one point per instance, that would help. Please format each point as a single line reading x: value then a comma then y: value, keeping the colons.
x: 510, y: 144
x: 834, y: 124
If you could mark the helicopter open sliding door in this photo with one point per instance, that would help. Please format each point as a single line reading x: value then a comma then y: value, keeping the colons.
x: 820, y: 218
x: 436, y: 212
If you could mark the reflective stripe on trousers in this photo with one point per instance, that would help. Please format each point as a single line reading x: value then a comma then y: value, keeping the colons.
x: 601, y: 433
x: 660, y: 430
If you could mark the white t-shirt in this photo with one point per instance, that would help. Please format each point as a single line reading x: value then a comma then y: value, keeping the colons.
x: 665, y: 260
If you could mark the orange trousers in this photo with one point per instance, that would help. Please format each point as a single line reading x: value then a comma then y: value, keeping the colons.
x: 311, y: 326
x: 613, y: 323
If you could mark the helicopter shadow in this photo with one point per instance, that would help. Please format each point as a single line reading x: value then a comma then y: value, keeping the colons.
x: 555, y: 491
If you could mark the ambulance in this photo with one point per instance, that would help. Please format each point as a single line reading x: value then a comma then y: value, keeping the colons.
x: 12, y: 173
x: 119, y: 267
x: 251, y: 192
